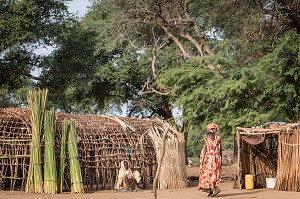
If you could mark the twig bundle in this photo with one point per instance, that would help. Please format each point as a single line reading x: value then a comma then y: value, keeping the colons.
x: 37, y: 103
x: 50, y: 173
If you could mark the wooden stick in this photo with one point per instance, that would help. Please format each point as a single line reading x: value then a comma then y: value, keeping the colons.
x: 159, y: 164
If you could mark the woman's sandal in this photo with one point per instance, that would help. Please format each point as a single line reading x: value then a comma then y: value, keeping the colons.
x: 216, y: 191
x: 210, y: 193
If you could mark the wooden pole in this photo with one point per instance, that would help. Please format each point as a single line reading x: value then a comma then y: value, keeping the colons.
x: 238, y: 139
x: 159, y: 165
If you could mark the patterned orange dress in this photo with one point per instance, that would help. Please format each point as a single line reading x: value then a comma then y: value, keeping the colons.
x: 210, y: 163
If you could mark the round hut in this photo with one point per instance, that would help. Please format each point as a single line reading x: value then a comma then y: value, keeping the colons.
x: 267, y: 151
x: 103, y: 142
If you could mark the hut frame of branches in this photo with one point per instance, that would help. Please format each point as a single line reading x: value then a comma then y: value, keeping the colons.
x: 103, y: 142
x: 266, y: 151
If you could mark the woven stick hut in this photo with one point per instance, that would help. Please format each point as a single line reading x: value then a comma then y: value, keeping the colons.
x: 270, y: 151
x: 103, y: 142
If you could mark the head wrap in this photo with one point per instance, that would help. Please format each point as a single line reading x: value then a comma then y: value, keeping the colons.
x: 123, y: 171
x: 126, y: 172
x: 212, y: 126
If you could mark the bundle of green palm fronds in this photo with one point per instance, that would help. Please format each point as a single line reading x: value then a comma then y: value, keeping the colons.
x: 75, y: 171
x: 37, y: 103
x: 62, y: 163
x: 50, y: 173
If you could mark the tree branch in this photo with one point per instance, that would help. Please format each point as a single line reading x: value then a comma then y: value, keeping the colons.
x: 185, y: 54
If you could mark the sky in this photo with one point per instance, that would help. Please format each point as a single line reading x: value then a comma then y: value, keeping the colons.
x: 79, y: 7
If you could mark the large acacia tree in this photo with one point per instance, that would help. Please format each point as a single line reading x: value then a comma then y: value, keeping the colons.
x: 234, y: 62
x: 258, y: 52
x: 164, y: 33
x: 214, y: 59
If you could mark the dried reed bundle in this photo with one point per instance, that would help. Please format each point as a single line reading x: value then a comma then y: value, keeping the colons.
x: 50, y: 173
x: 288, y: 156
x: 161, y: 156
x: 37, y: 103
x: 173, y: 161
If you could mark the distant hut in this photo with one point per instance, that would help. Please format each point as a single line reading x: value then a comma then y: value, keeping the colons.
x: 270, y: 151
x: 103, y: 142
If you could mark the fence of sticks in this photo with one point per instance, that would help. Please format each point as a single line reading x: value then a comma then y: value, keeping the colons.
x: 102, y: 141
x: 267, y: 151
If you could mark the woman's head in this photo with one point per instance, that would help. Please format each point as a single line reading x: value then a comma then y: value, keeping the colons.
x: 212, y: 128
x: 125, y: 164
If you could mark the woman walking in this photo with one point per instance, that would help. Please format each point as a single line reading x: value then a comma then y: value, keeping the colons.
x: 210, y: 162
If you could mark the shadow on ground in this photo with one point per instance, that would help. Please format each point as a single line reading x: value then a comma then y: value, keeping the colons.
x: 239, y: 195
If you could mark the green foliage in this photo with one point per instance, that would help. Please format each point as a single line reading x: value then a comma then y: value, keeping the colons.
x: 29, y: 21
x: 282, y: 67
x: 103, y: 61
x: 234, y: 96
x: 195, y: 143
x: 84, y: 79
x: 24, y: 26
x: 14, y: 97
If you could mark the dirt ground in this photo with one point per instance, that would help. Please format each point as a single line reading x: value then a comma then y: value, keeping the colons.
x: 191, y: 192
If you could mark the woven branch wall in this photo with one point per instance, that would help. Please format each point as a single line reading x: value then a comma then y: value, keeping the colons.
x: 103, y: 142
x: 15, y: 138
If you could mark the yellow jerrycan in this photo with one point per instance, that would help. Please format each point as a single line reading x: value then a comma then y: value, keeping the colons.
x: 249, y: 181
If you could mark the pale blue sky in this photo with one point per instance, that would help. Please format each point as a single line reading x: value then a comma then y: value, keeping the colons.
x: 79, y: 7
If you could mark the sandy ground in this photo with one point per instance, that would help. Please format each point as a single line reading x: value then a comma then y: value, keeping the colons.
x: 227, y: 191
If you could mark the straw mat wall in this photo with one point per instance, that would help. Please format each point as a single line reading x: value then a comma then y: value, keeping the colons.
x: 103, y: 142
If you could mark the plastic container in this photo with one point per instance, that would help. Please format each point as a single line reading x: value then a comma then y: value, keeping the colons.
x: 270, y: 183
x: 249, y: 182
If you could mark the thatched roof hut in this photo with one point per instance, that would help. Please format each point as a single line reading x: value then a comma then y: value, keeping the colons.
x: 270, y: 151
x: 103, y: 141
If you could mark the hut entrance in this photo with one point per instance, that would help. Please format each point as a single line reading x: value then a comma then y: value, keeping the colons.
x: 257, y: 155
x: 266, y: 151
